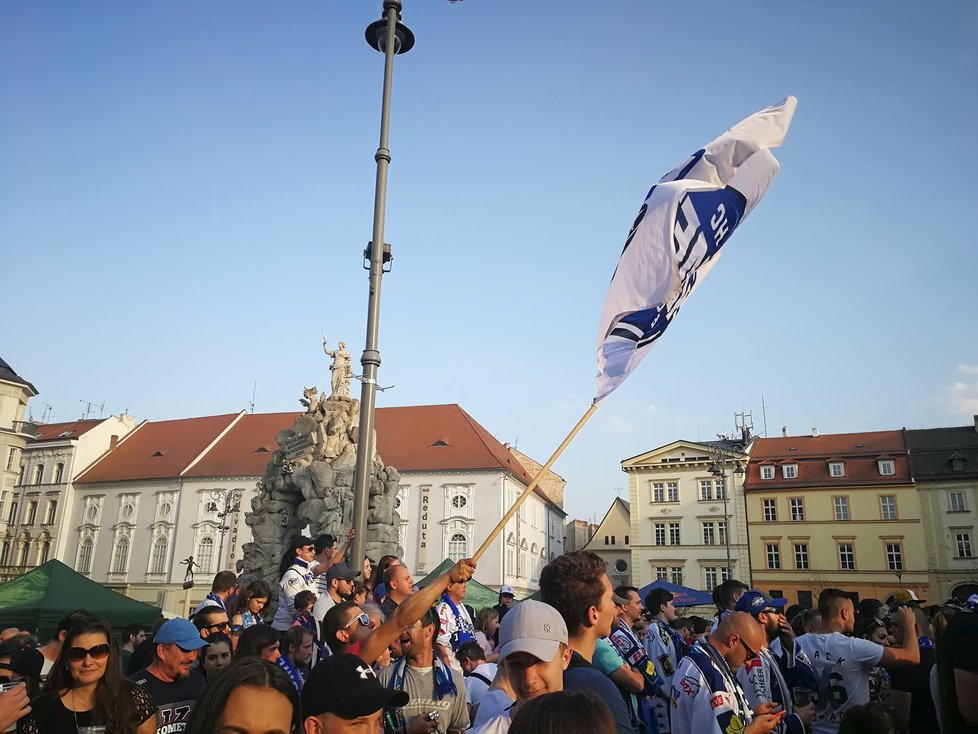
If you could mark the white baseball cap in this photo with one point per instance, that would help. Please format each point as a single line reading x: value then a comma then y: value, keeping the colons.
x: 534, y: 628
x: 506, y: 590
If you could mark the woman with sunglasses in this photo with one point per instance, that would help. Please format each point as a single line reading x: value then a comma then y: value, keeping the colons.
x: 86, y: 688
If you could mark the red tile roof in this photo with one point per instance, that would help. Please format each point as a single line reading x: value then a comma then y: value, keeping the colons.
x: 857, y: 451
x: 158, y: 450
x: 244, y: 451
x: 71, y: 429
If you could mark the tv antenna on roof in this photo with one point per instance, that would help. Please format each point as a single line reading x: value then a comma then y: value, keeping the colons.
x: 254, y: 390
x: 89, y: 408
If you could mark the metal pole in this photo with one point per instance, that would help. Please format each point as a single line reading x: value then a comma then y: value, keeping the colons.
x: 726, y: 521
x: 371, y: 356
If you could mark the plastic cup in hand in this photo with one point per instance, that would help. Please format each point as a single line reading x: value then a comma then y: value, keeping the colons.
x: 4, y: 687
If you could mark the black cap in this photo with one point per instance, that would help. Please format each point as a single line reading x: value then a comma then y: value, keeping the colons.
x: 341, y: 571
x: 300, y: 541
x: 346, y: 686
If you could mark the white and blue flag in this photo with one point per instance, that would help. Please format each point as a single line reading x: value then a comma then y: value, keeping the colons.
x: 686, y: 219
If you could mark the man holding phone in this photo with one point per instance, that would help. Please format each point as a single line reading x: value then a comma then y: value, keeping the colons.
x: 780, y: 669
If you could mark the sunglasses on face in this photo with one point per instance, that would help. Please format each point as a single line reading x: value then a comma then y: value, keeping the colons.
x: 77, y: 654
x: 751, y: 655
x: 361, y: 618
x: 219, y: 626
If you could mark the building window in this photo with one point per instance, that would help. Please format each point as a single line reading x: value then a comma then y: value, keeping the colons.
x: 44, y: 552
x: 887, y: 467
x: 25, y: 549
x: 847, y: 557
x: 458, y: 547
x: 12, y: 517
x: 956, y: 502
x: 720, y: 488
x: 710, y: 575
x: 12, y: 457
x: 84, y: 564
x: 50, y: 512
x: 621, y: 565
x: 120, y: 557
x: 767, y: 472
x: 888, y: 507
x: 708, y: 535
x: 706, y: 489
x: 59, y: 472
x: 770, y: 511
x: 158, y: 560
x: 801, y: 556
x: 672, y: 491
x: 722, y: 532
x: 658, y: 492
x: 724, y: 574
x: 626, y: 540
x: 606, y: 540
x: 894, y: 556
x: 963, y: 541
x: 31, y: 512
x: 789, y: 471
x: 660, y: 533
x: 773, y: 556
x: 674, y: 534
x: 612, y: 539
x: 205, y: 555
x: 797, y: 505
x: 38, y: 474
x: 677, y: 575
x: 661, y: 573
x: 510, y: 559
x: 837, y: 469
x: 4, y: 552
x: 459, y: 501
x: 841, y: 507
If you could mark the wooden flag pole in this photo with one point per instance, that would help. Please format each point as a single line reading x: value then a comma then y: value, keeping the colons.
x: 526, y: 492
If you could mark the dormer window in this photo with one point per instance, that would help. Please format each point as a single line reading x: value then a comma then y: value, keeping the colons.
x: 767, y: 472
x: 789, y: 471
x: 837, y: 469
x: 957, y: 462
x: 887, y: 467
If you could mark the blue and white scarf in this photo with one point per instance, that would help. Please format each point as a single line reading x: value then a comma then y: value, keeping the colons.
x: 721, y: 680
x: 218, y: 601
x: 298, y: 680
x: 444, y: 686
x: 465, y: 631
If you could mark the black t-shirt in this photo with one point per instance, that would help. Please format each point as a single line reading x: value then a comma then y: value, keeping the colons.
x: 174, y: 700
x: 388, y: 607
x: 915, y: 680
x: 961, y: 644
x: 50, y: 716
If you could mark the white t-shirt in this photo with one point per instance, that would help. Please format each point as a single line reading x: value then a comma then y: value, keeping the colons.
x: 842, y: 665
x: 494, y: 704
x: 496, y: 725
x: 475, y: 688
x: 323, y: 604
x: 295, y: 579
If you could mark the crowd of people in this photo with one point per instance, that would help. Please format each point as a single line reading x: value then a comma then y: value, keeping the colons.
x: 360, y: 648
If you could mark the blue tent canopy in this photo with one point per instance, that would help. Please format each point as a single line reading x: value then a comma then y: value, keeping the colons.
x: 682, y: 595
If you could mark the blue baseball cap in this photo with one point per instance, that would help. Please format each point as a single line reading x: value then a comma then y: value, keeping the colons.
x: 180, y: 632
x: 754, y: 602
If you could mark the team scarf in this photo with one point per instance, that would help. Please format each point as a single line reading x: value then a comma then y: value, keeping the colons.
x: 732, y: 711
x: 677, y: 639
x: 634, y: 653
x: 444, y: 686
x: 298, y: 565
x: 297, y: 678
x: 218, y: 601
x: 925, y: 643
x: 465, y: 630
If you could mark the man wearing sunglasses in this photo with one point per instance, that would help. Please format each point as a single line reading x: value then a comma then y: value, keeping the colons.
x: 780, y: 670
x: 170, y: 679
x: 211, y: 620
x: 706, y: 697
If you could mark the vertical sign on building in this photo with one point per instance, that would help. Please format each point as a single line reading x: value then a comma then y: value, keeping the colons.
x: 423, y: 532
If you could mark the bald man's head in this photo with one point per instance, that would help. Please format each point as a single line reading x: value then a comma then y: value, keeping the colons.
x: 738, y: 638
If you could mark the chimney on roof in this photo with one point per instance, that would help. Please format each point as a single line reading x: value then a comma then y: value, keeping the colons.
x: 976, y: 424
x: 784, y: 431
x: 113, y: 442
x: 814, y: 431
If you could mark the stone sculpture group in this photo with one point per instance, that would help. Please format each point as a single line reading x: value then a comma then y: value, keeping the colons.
x: 309, y: 481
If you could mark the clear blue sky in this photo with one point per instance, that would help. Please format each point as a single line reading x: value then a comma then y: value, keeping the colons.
x: 186, y: 188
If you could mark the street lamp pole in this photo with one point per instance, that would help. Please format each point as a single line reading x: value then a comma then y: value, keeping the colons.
x: 225, y: 503
x: 719, y: 460
x: 389, y: 36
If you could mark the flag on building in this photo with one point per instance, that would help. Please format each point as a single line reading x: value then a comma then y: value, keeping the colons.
x: 676, y: 239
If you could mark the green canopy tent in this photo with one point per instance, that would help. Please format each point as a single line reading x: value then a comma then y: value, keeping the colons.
x: 477, y: 595
x: 39, y: 599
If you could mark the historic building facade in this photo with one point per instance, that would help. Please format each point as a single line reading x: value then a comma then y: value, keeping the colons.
x: 687, y: 522
x: 944, y: 464
x: 835, y: 510
x: 611, y: 541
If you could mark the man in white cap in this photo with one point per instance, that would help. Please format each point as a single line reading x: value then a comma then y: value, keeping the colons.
x: 533, y: 647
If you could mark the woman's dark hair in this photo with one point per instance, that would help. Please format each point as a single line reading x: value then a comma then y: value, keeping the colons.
x: 564, y: 712
x: 289, y: 556
x: 359, y: 588
x: 207, y: 712
x: 113, y: 693
x: 255, y: 639
x: 868, y: 718
x: 255, y: 590
x: 377, y: 577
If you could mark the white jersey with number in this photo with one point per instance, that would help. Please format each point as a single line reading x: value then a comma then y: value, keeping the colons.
x: 842, y: 665
x: 661, y: 649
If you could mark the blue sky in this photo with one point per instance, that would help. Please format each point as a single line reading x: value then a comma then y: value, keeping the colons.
x: 186, y: 190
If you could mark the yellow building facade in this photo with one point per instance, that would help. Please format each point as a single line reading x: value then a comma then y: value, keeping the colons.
x: 835, y: 511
